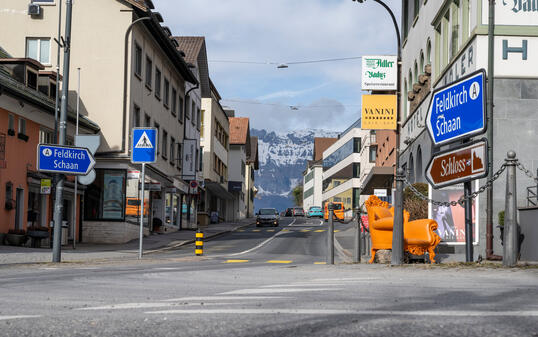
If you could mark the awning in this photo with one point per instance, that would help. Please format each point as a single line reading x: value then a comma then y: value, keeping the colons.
x: 379, y: 177
x: 217, y: 190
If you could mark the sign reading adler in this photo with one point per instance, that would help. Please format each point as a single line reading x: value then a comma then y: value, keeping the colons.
x: 379, y: 72
x: 378, y: 112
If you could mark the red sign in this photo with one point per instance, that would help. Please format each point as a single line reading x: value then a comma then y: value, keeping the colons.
x: 459, y: 165
x: 194, y: 184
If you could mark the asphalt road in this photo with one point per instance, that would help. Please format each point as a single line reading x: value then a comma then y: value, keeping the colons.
x: 265, y: 283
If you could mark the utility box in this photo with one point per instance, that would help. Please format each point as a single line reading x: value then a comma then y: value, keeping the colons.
x: 528, y: 221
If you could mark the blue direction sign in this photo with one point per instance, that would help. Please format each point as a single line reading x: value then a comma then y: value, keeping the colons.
x: 458, y: 110
x: 64, y: 159
x: 144, y: 145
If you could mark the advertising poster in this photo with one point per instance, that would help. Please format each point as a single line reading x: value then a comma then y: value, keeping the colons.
x: 451, y: 220
x: 379, y: 112
x: 113, y: 196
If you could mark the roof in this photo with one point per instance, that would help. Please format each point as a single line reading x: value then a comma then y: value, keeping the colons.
x: 253, y: 157
x: 239, y: 130
x: 195, y: 53
x: 320, y: 145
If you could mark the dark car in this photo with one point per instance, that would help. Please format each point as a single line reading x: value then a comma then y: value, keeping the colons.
x: 289, y: 212
x: 298, y: 211
x: 267, y: 216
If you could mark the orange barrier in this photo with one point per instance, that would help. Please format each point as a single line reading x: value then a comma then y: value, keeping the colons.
x: 419, y: 235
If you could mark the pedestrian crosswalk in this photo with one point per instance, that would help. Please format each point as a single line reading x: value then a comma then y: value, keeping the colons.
x: 302, y: 230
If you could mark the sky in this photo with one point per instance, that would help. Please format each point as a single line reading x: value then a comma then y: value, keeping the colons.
x: 323, y: 95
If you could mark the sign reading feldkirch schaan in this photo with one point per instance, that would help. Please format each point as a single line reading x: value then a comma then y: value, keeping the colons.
x: 379, y: 73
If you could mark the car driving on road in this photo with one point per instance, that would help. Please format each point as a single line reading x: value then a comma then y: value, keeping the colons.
x: 298, y: 211
x: 267, y: 216
x: 315, y: 211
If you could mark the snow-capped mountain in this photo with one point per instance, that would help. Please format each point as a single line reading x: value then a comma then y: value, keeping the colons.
x: 283, y: 158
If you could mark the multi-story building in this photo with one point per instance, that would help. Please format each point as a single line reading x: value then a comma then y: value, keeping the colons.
x: 253, y: 164
x: 215, y: 140
x: 444, y: 41
x: 346, y: 164
x: 240, y: 148
x: 126, y: 82
x: 27, y: 105
x: 313, y: 175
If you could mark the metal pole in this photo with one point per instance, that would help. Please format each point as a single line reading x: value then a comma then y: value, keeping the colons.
x: 357, y: 250
x: 57, y: 103
x: 142, y: 196
x: 74, y: 224
x: 491, y: 80
x: 397, y: 230
x: 510, y: 246
x: 58, y: 203
x: 330, y: 237
x: 468, y: 223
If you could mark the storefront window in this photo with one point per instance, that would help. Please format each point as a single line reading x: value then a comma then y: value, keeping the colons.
x: 105, y: 197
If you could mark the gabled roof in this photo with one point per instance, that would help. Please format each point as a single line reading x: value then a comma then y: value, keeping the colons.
x: 195, y: 52
x: 253, y: 157
x: 320, y: 145
x: 239, y: 130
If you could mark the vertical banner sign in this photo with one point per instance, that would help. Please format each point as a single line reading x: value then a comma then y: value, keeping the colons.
x: 379, y: 73
x: 189, y: 155
x: 378, y: 112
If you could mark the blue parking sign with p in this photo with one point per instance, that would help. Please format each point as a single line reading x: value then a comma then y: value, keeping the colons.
x: 144, y: 145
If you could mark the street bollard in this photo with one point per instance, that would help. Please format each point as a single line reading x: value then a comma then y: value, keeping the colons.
x: 357, y: 250
x: 199, y: 243
x: 330, y: 237
x: 510, y: 246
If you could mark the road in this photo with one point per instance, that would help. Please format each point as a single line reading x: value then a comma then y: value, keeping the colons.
x: 265, y: 282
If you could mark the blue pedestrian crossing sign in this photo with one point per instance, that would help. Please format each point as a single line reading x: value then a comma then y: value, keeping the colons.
x: 144, y: 145
x: 458, y: 110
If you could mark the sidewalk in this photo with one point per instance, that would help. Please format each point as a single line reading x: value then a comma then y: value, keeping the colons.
x: 86, y: 252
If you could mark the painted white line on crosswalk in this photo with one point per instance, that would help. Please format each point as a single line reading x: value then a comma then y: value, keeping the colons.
x: 224, y: 298
x: 435, y: 313
x: 167, y: 268
x: 142, y: 305
x: 345, y: 279
x: 309, y: 284
x: 275, y: 290
x: 7, y: 317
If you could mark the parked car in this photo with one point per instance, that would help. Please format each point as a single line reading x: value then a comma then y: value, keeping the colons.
x: 315, y: 211
x: 267, y: 216
x: 289, y: 212
x: 298, y: 211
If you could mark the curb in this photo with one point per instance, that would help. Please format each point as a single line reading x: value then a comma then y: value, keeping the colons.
x: 344, y: 254
x: 188, y: 242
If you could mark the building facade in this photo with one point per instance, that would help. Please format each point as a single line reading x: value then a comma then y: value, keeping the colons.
x: 146, y: 93
x: 442, y: 42
x: 240, y: 148
x: 253, y: 164
x: 313, y: 175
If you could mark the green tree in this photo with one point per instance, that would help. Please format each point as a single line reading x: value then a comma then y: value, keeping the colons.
x: 297, y: 194
x: 417, y: 208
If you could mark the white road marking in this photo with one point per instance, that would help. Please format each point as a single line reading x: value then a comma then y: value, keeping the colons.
x: 4, y: 318
x: 345, y: 279
x: 123, y: 306
x: 263, y: 243
x: 306, y: 224
x: 305, y: 284
x: 435, y: 313
x: 167, y: 268
x: 224, y: 298
x: 274, y: 291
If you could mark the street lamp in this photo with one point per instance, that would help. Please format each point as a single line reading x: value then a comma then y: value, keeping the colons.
x: 397, y: 230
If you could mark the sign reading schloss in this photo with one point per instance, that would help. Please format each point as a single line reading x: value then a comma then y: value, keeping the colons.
x: 459, y: 165
x: 458, y: 110
x: 379, y: 72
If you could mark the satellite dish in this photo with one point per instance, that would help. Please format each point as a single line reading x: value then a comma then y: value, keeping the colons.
x: 87, y: 179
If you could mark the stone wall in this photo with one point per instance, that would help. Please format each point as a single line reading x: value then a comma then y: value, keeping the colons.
x: 110, y: 232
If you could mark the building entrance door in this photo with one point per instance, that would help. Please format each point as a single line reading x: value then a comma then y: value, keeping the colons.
x: 19, y: 208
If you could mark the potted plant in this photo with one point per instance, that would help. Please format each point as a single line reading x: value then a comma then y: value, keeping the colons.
x: 36, y: 233
x: 16, y: 237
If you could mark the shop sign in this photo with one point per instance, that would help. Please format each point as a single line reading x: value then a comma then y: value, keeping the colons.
x: 45, y: 186
x: 379, y: 72
x: 513, y: 12
x: 131, y: 174
x: 380, y: 192
x: 189, y: 159
x: 378, y: 112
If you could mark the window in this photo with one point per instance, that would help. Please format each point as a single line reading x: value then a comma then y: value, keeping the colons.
x: 421, y: 61
x: 193, y: 109
x: 455, y: 32
x: 187, y: 112
x: 201, y: 163
x: 46, y: 136
x: 38, y: 49
x: 373, y: 152
x: 31, y: 79
x: 242, y: 168
x: 179, y: 156
x: 202, y: 124
x: 166, y: 92
x: 172, y: 154
x: 11, y: 125
x: 416, y: 8
x: 198, y: 121
x: 52, y: 93
x: 136, y: 116
x: 174, y: 101
x: 405, y: 15
x: 149, y: 72
x: 157, y: 83
x: 22, y: 126
x: 156, y: 126
x: 138, y: 60
x: 147, y: 120
x: 416, y: 72
x: 429, y: 52
x: 180, y: 116
x: 465, y: 20
x: 104, y: 199
x: 164, y: 147
x: 404, y: 98
x: 342, y: 153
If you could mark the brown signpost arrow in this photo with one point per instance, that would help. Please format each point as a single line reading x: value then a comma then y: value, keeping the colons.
x: 459, y: 165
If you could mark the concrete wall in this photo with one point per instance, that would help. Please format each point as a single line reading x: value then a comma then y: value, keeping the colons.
x: 110, y: 232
